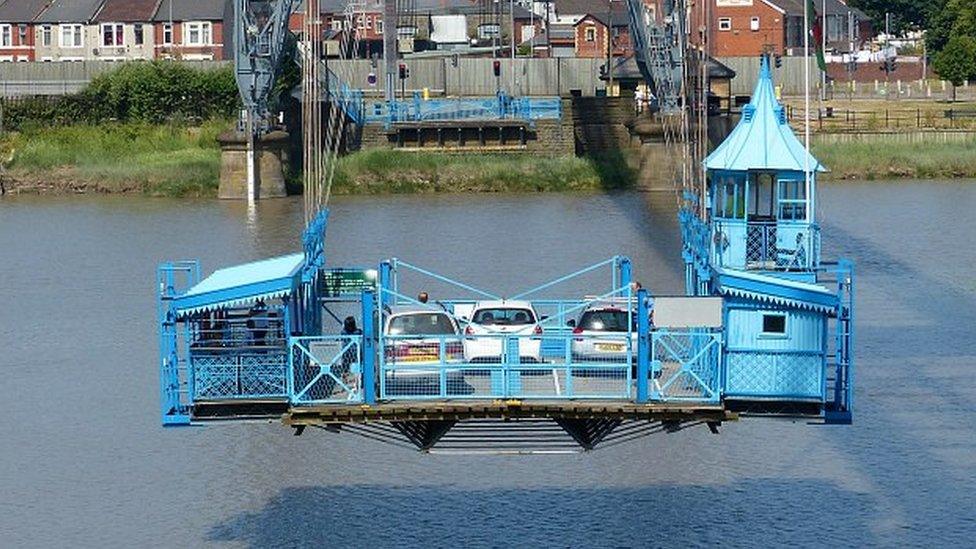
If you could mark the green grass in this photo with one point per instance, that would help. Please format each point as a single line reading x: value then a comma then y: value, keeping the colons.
x: 886, y: 160
x: 384, y: 171
x: 154, y: 159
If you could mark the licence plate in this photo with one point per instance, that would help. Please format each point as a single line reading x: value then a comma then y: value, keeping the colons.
x: 419, y: 358
x: 616, y: 347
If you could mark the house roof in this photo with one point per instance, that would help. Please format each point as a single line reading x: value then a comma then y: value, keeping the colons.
x: 834, y: 7
x: 70, y: 11
x: 240, y: 284
x: 595, y: 8
x: 190, y: 10
x: 127, y: 11
x: 21, y: 11
x: 763, y: 140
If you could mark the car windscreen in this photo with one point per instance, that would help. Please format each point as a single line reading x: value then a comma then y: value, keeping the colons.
x: 421, y: 324
x: 606, y: 321
x: 503, y: 317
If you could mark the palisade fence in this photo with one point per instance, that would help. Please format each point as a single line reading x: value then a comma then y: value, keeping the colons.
x: 538, y: 77
x: 789, y: 77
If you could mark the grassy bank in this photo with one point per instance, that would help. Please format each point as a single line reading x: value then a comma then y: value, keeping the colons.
x: 164, y: 160
x: 382, y: 171
x: 918, y: 160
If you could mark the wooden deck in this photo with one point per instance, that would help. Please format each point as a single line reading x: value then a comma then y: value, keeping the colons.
x: 508, y: 409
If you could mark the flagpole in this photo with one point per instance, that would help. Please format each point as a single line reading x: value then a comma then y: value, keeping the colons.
x: 806, y: 102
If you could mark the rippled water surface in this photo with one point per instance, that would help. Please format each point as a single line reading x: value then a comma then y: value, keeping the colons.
x: 83, y: 460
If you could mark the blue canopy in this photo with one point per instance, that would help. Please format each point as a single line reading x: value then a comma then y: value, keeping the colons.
x: 763, y: 139
x: 240, y: 284
x: 774, y: 290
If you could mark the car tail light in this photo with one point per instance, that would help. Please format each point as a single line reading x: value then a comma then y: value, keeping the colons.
x: 578, y: 330
x: 454, y: 349
x: 538, y: 330
x: 468, y: 330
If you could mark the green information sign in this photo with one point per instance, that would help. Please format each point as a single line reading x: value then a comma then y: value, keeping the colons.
x: 348, y: 282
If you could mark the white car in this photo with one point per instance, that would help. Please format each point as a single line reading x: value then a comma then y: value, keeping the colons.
x: 493, y: 321
x: 605, y: 327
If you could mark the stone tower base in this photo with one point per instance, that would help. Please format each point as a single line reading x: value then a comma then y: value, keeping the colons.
x: 271, y: 157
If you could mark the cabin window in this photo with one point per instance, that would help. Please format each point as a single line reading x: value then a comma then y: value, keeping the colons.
x: 761, y: 197
x: 731, y: 199
x: 724, y: 23
x: 792, y: 200
x: 773, y: 324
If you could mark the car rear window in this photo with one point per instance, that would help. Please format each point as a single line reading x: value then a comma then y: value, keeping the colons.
x: 605, y: 321
x: 504, y: 317
x: 421, y: 324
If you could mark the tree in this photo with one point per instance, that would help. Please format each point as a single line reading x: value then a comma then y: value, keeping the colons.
x: 905, y: 14
x: 950, y: 18
x: 957, y: 61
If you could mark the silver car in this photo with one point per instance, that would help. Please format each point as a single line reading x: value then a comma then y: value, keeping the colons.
x: 609, y: 334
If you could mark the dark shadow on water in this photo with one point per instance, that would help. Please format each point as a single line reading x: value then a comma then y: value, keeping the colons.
x: 753, y: 513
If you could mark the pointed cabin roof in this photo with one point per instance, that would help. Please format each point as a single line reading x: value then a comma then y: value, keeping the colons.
x: 763, y: 139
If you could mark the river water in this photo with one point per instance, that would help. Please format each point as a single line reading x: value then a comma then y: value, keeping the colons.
x: 83, y: 460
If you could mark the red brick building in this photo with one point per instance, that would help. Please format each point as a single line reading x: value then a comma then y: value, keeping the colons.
x: 193, y: 30
x: 749, y: 27
x: 16, y: 28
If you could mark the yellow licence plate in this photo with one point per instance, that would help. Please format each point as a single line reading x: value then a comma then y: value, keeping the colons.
x: 610, y: 347
x: 419, y: 358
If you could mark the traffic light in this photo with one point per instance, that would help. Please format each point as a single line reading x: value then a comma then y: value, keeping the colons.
x: 778, y: 60
x: 889, y: 66
x: 496, y: 67
x: 454, y: 60
x: 404, y: 73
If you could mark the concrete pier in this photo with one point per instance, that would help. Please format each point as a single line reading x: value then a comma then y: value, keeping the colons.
x: 271, y: 157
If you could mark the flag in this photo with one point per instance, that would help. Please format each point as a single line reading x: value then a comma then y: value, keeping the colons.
x: 817, y: 30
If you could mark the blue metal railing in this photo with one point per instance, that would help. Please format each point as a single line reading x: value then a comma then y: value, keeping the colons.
x: 500, y: 107
x: 325, y: 369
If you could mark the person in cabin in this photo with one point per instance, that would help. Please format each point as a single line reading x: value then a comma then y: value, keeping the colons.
x: 423, y: 297
x: 350, y: 355
x: 258, y: 323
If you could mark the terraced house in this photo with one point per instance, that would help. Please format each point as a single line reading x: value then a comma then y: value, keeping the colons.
x: 17, y: 28
x: 193, y: 30
x: 65, y: 31
x: 125, y: 30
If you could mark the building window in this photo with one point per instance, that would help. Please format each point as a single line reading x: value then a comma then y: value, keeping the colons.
x: 590, y: 34
x: 488, y: 31
x: 406, y: 32
x: 167, y: 34
x: 792, y: 200
x: 360, y: 22
x: 22, y: 32
x: 112, y: 35
x: 6, y: 36
x: 369, y: 22
x: 754, y: 24
x: 379, y: 26
x: 140, y: 38
x: 724, y: 23
x: 72, y: 36
x: 198, y: 34
x: 46, y: 35
x: 774, y: 324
